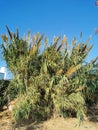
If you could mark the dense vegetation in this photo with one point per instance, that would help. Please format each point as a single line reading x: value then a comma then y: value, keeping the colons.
x: 3, y: 87
x: 54, y: 82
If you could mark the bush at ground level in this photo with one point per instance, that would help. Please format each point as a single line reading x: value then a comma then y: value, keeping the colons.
x: 55, y: 81
x: 3, y: 98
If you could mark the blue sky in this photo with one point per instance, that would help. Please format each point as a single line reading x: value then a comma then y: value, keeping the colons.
x: 51, y: 17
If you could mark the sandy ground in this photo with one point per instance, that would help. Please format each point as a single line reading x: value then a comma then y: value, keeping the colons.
x: 60, y: 123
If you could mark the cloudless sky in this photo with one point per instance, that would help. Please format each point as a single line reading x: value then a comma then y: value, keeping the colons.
x: 51, y: 17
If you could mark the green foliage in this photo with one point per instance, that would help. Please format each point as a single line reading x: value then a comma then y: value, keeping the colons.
x: 57, y: 81
x: 91, y: 87
x: 3, y: 86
